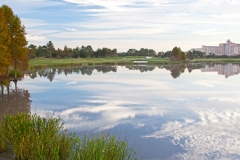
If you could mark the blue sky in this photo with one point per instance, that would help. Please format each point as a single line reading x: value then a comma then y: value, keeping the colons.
x: 156, y: 24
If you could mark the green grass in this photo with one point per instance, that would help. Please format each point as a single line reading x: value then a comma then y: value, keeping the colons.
x: 103, y: 147
x: 33, y: 137
x: 48, y: 62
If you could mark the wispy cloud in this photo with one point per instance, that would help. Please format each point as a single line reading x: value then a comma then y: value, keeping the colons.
x: 35, y: 38
x: 210, y: 32
x: 71, y: 29
x: 74, y: 82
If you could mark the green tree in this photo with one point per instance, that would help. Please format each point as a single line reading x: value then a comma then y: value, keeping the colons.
x: 76, y: 52
x: 32, y: 49
x: 50, y: 49
x: 190, y: 55
x: 177, y: 54
x: 183, y: 56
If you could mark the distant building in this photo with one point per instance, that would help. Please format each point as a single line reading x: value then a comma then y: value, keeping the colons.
x: 229, y: 49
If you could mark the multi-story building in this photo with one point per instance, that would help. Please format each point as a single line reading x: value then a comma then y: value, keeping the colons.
x: 229, y: 49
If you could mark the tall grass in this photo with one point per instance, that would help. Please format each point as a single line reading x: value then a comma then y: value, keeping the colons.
x: 33, y: 137
x: 103, y: 147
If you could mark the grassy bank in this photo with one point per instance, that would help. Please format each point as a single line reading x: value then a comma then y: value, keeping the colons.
x: 33, y: 137
x: 48, y: 62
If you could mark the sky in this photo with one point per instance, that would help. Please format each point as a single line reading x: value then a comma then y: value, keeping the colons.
x: 154, y: 24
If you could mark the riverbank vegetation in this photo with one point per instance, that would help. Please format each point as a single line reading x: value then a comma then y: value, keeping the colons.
x: 31, y: 136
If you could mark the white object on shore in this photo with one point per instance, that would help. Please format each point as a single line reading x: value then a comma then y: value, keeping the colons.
x: 148, y: 57
x: 140, y: 61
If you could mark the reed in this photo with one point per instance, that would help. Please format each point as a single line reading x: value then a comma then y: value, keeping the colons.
x: 36, y: 138
x: 103, y: 147
x: 31, y: 136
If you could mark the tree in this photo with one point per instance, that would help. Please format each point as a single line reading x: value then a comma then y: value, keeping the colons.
x: 16, y: 49
x: 5, y: 59
x: 151, y: 52
x: 76, y: 52
x: 32, y: 49
x: 50, y: 49
x: 183, y: 56
x: 114, y: 52
x: 19, y: 52
x: 177, y: 54
x: 190, y: 55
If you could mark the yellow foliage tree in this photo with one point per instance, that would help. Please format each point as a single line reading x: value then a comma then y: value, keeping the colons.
x: 16, y: 48
x: 5, y: 58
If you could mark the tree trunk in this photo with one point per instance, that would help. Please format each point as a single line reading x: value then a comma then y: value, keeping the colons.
x: 15, y: 70
x: 7, y: 72
x: 2, y: 91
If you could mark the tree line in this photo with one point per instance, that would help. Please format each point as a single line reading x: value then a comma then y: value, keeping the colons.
x: 13, y: 43
x: 49, y: 51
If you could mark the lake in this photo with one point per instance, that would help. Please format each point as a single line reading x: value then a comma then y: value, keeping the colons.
x: 166, y: 112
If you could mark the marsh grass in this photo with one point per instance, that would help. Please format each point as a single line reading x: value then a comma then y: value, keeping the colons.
x: 102, y: 147
x: 33, y: 137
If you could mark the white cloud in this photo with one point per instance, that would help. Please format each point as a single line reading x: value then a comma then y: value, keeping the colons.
x: 74, y: 82
x: 217, y: 2
x: 35, y: 38
x: 120, y: 5
x: 71, y: 29
x: 226, y: 99
x: 210, y: 32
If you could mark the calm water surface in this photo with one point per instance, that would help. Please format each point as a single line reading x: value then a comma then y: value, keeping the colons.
x: 167, y: 112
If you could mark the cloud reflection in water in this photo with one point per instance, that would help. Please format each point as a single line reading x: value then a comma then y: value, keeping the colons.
x: 215, y: 135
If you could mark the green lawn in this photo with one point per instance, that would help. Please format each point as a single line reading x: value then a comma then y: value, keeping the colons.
x: 44, y: 62
x: 49, y: 62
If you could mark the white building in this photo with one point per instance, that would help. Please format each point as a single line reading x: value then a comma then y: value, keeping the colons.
x: 229, y: 49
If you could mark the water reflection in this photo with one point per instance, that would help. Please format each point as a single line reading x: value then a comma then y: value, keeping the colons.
x: 13, y: 99
x: 223, y: 69
x: 176, y: 70
x: 195, y: 116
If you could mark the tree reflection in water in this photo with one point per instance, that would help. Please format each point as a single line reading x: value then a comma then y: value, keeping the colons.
x: 13, y: 100
x: 175, y: 70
